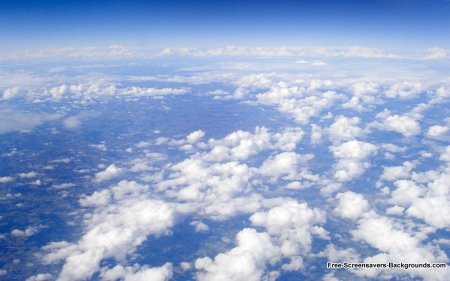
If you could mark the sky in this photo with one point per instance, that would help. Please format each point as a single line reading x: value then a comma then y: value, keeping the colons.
x: 31, y: 25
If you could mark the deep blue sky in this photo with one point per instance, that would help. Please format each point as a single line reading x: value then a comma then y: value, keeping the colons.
x: 31, y: 24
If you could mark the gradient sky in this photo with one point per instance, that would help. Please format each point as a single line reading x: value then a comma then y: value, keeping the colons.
x: 31, y: 25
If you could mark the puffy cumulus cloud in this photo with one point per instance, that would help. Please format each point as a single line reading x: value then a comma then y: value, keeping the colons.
x: 215, y: 182
x: 199, y: 226
x: 256, y: 81
x: 290, y: 227
x: 398, y: 172
x: 102, y: 88
x: 404, y: 125
x: 396, y: 210
x: 195, y: 136
x: 98, y: 198
x: 406, y: 192
x: 244, y: 262
x: 240, y: 145
x: 114, y: 231
x: 338, y: 255
x: 6, y: 179
x: 434, y: 206
x: 436, y: 131
x: 27, y: 232
x: 111, y: 172
x: 299, y: 102
x: 137, y: 273
x: 288, y: 139
x: 395, y: 244
x: 28, y: 175
x: 10, y: 93
x: 364, y: 96
x: 433, y: 210
x: 345, y: 129
x: 293, y: 225
x: 405, y: 90
x: 287, y: 165
x: 351, y: 155
x: 354, y: 150
x: 351, y: 205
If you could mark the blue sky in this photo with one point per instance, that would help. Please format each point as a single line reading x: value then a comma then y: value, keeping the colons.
x: 30, y: 25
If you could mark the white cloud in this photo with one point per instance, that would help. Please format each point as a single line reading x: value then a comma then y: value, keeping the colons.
x: 398, y: 172
x: 345, y: 129
x: 287, y: 164
x: 63, y: 185
x: 10, y: 93
x: 436, y: 131
x: 404, y: 125
x: 396, y: 210
x: 351, y: 205
x: 137, y: 273
x: 199, y: 226
x: 111, y: 172
x: 244, y: 262
x: 396, y: 245
x: 405, y: 90
x: 406, y: 192
x: 293, y: 224
x: 27, y: 232
x: 6, y: 179
x: 393, y: 148
x: 28, y: 175
x: 350, y: 155
x: 113, y: 231
x: 354, y: 150
x: 195, y: 136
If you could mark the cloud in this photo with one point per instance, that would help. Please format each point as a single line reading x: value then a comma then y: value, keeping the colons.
x: 404, y: 125
x: 111, y: 172
x: 351, y: 205
x: 199, y: 226
x: 285, y: 164
x: 253, y: 250
x: 406, y: 192
x: 394, y: 245
x: 10, y: 93
x: 137, y: 273
x: 345, y: 129
x: 17, y: 120
x: 6, y: 179
x: 63, y: 185
x: 27, y: 232
x: 113, y: 231
x: 28, y: 175
x: 350, y: 155
x: 436, y: 131
x: 405, y: 90
x: 397, y: 172
x: 293, y: 224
